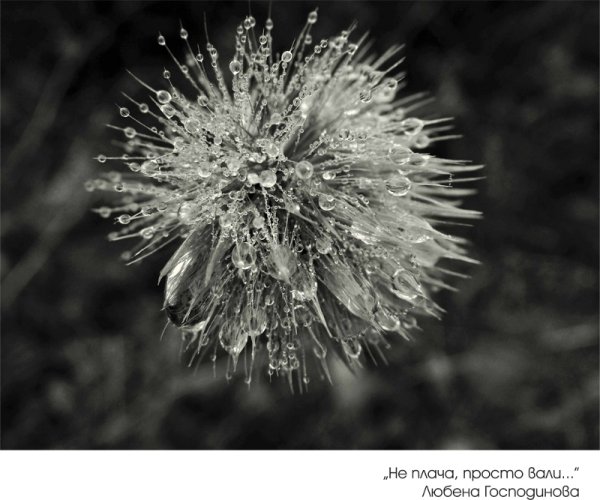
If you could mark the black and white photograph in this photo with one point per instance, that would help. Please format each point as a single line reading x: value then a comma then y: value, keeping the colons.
x: 295, y: 225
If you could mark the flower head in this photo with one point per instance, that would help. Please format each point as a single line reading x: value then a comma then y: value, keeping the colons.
x: 304, y: 205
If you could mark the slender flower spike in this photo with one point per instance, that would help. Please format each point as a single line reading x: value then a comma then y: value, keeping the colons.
x: 301, y: 198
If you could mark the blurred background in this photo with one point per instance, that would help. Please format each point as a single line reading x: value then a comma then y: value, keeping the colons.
x: 513, y: 364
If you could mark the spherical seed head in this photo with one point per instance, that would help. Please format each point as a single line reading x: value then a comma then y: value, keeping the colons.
x: 306, y: 223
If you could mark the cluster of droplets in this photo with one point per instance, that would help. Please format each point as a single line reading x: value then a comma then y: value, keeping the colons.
x: 298, y: 185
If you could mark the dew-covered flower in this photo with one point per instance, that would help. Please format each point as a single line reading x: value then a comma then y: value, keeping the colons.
x: 298, y: 190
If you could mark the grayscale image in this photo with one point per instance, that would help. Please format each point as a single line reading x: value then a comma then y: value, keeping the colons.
x: 296, y: 225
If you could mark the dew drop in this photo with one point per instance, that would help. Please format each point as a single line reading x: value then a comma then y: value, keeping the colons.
x: 147, y: 233
x: 326, y: 202
x: 272, y: 149
x: 386, y: 320
x: 286, y: 56
x: 411, y: 126
x: 124, y: 219
x: 304, y: 170
x: 243, y: 256
x: 168, y: 110
x: 323, y: 245
x: 268, y: 178
x: 405, y: 285
x: 124, y: 112
x: 235, y: 66
x: 163, y: 97
x: 101, y: 159
x: 129, y: 132
x: 258, y: 222
x: 312, y: 17
x: 183, y: 34
x: 161, y: 40
x: 365, y: 95
x: 398, y: 185
x: 417, y: 160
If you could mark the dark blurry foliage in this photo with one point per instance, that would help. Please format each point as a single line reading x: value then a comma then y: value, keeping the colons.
x: 513, y: 364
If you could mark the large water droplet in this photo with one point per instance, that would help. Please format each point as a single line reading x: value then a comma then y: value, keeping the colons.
x: 235, y: 66
x: 304, y: 170
x: 326, y: 202
x: 268, y: 178
x: 386, y: 320
x: 398, y: 185
x: 323, y: 245
x: 163, y: 97
x: 272, y: 149
x: 411, y: 126
x: 405, y: 285
x: 243, y: 256
x: 282, y: 263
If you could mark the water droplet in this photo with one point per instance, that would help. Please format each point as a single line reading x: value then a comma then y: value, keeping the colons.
x: 161, y: 40
x: 101, y: 159
x: 258, y: 222
x: 269, y: 24
x: 312, y: 17
x: 204, y: 170
x: 386, y: 320
x: 124, y: 112
x: 411, y: 126
x: 365, y: 95
x: 163, y: 97
x: 422, y: 141
x: 352, y: 348
x: 282, y: 263
x: 304, y: 170
x: 405, y: 285
x: 147, y: 233
x: 168, y: 110
x: 186, y: 212
x: 235, y: 66
x: 398, y: 185
x: 124, y: 219
x: 254, y: 321
x: 144, y: 108
x: 272, y: 149
x: 286, y: 57
x: 166, y: 74
x: 129, y: 132
x: 329, y: 175
x: 183, y: 33
x: 326, y: 202
x: 323, y: 245
x: 243, y: 256
x: 268, y: 178
x: 304, y: 287
x: 417, y: 160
